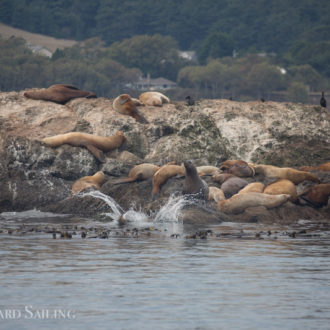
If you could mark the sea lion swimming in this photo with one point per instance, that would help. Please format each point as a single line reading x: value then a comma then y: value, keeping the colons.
x: 239, y: 202
x: 193, y: 184
x: 125, y: 105
x: 162, y: 175
x: 288, y: 173
x: 282, y: 186
x: 94, y: 143
x: 59, y: 93
x: 94, y: 181
x: 153, y: 98
x: 139, y: 172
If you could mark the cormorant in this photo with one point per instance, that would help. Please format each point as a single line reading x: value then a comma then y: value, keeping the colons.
x: 323, y: 101
x: 190, y: 100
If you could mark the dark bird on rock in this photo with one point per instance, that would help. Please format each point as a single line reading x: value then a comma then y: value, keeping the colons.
x: 323, y: 101
x: 190, y: 100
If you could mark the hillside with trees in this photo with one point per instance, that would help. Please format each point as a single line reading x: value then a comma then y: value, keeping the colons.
x: 243, y: 51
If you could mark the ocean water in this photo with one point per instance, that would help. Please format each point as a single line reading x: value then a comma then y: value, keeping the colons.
x: 151, y: 275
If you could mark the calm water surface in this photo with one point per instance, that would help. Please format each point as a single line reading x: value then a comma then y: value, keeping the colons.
x: 159, y: 282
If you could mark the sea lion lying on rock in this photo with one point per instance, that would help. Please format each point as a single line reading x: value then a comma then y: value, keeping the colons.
x: 239, y: 202
x: 95, y: 181
x: 125, y: 105
x: 317, y: 195
x: 162, y: 175
x: 193, y: 184
x: 322, y: 167
x: 216, y: 194
x: 288, y: 173
x: 252, y: 187
x: 238, y: 168
x: 207, y: 170
x: 95, y: 144
x: 282, y: 186
x: 59, y: 93
x: 230, y: 184
x: 140, y: 172
x: 153, y: 98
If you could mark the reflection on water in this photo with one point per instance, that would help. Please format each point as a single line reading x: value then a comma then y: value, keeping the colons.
x: 159, y: 282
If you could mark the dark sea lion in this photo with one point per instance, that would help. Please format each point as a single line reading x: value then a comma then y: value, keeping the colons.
x: 125, y: 105
x: 193, y: 184
x: 162, y: 175
x: 94, y: 143
x: 59, y: 93
x: 94, y: 181
x: 282, y: 186
x: 239, y: 202
x: 288, y: 173
x: 139, y: 172
x: 317, y: 195
x: 230, y: 184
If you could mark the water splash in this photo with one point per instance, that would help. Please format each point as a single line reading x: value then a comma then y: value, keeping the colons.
x: 116, y: 210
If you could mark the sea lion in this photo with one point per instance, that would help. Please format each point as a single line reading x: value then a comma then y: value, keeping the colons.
x: 139, y: 172
x: 59, y: 93
x: 230, y: 184
x: 240, y: 168
x: 125, y: 105
x: 94, y: 181
x: 239, y: 202
x: 288, y: 173
x: 317, y: 195
x: 193, y: 184
x: 95, y: 144
x: 325, y: 167
x: 207, y: 170
x: 162, y: 175
x: 252, y: 187
x: 216, y: 194
x: 153, y: 98
x: 282, y: 186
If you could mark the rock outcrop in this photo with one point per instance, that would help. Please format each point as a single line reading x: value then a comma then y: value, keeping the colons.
x: 36, y: 176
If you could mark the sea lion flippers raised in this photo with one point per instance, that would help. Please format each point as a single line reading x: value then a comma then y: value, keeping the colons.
x: 96, y: 152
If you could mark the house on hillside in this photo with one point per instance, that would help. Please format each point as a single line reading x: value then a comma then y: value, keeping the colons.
x: 148, y: 84
x: 40, y: 50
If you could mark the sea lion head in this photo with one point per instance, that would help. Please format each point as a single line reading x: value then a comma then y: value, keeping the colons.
x: 190, y: 167
x: 124, y: 98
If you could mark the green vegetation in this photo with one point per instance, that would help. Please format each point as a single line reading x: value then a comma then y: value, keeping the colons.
x: 125, y: 39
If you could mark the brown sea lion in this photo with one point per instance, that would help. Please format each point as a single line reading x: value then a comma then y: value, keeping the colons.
x: 282, y: 186
x: 239, y: 202
x: 94, y: 143
x: 162, y: 175
x: 239, y: 168
x: 252, y: 187
x: 153, y: 98
x: 207, y: 170
x: 94, y: 181
x: 288, y: 173
x: 59, y: 93
x: 322, y: 167
x: 125, y: 105
x: 317, y: 195
x: 230, y: 184
x: 139, y: 172
x: 193, y: 184
x: 216, y: 194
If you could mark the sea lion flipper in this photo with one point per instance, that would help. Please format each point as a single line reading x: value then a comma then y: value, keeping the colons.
x: 96, y: 152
